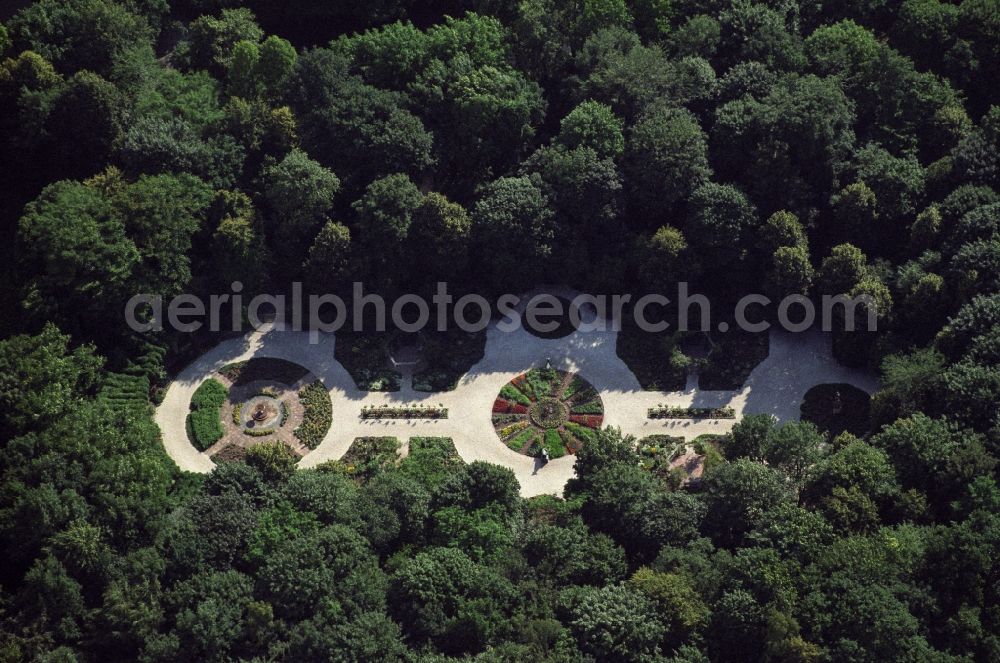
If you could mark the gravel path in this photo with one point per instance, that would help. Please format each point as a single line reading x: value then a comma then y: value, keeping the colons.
x: 795, y: 363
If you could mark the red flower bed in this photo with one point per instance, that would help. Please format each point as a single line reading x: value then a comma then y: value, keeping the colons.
x: 588, y: 420
x: 503, y: 406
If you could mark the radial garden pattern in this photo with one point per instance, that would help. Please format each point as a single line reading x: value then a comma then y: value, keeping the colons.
x: 546, y: 409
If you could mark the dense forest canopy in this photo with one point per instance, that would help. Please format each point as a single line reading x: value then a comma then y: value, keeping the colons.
x: 848, y: 147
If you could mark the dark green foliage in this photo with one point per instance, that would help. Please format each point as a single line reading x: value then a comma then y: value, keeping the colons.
x: 732, y: 358
x: 836, y: 408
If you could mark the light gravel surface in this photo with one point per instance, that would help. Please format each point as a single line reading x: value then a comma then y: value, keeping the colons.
x: 795, y: 363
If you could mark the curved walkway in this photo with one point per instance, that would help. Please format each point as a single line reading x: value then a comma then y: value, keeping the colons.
x: 795, y: 363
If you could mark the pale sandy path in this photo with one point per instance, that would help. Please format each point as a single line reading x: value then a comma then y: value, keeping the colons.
x: 795, y: 363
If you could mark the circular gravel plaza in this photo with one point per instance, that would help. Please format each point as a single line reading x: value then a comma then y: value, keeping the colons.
x: 547, y: 412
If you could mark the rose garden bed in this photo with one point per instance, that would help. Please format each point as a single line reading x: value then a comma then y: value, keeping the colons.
x: 404, y: 412
x: 547, y: 409
x: 673, y: 412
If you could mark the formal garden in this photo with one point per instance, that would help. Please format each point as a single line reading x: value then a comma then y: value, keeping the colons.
x: 257, y: 400
x: 546, y: 410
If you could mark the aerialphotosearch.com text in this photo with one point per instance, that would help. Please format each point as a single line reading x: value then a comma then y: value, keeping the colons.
x: 327, y: 313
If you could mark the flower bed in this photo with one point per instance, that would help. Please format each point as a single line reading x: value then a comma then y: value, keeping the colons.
x: 369, y: 456
x: 674, y: 412
x: 547, y: 410
x: 317, y: 415
x: 404, y: 412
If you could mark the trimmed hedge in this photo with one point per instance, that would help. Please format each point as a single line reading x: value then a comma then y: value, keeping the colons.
x: 204, y: 424
x: 264, y: 368
x: 564, y: 324
x: 125, y: 391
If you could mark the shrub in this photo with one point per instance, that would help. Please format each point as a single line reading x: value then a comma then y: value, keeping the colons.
x: 317, y: 415
x: 447, y: 356
x: 585, y: 434
x: 518, y: 442
x: 564, y: 325
x: 648, y: 356
x: 542, y: 382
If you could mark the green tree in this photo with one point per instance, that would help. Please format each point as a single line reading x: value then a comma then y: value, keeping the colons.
x: 275, y: 65
x: 594, y: 125
x: 842, y: 270
x: 677, y: 601
x: 329, y: 257
x: 737, y: 495
x: 667, y: 159
x: 793, y: 448
x: 666, y: 259
x: 43, y: 379
x: 438, y: 238
x: 617, y: 623
x: 934, y: 457
x: 213, y: 39
x: 790, y: 273
x: 748, y: 438
x: 442, y: 595
x: 81, y: 35
x: 513, y: 229
x: 720, y: 218
x: 781, y: 229
x: 75, y: 252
